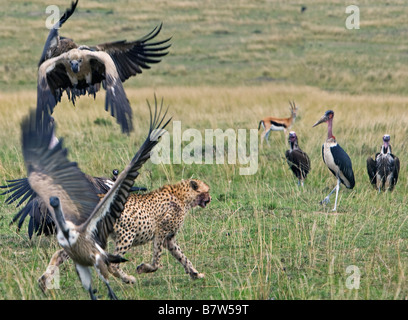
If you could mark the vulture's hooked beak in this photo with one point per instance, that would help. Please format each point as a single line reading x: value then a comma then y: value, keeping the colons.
x: 74, y: 66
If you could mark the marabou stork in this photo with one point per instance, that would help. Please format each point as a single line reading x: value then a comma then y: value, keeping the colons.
x: 336, y: 159
x: 383, y: 170
x: 83, y: 220
x: 297, y: 159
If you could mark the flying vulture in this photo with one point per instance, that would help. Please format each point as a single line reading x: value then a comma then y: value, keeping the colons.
x: 83, y: 220
x: 41, y: 221
x: 81, y: 69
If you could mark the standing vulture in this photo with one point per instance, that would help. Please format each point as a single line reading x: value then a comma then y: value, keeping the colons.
x: 80, y: 69
x: 297, y: 159
x: 83, y: 220
x: 383, y: 170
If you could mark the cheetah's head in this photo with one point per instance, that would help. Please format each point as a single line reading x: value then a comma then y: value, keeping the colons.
x: 201, y: 193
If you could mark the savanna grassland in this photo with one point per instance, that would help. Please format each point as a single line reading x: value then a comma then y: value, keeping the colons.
x: 231, y: 63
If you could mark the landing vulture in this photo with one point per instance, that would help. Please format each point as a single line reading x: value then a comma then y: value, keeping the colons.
x: 41, y: 221
x: 83, y: 220
x: 81, y: 69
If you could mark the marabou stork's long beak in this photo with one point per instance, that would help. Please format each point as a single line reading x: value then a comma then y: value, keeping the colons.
x: 325, y: 118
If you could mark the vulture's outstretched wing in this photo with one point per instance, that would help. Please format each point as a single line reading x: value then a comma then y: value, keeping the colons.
x: 109, y: 209
x: 51, y: 174
x: 19, y: 188
x: 54, y: 78
x: 131, y: 57
x: 41, y: 221
x: 55, y: 45
x: 115, y: 93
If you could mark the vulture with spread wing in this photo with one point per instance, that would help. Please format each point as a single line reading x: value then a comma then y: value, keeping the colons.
x: 83, y: 220
x: 80, y: 69
x: 41, y: 221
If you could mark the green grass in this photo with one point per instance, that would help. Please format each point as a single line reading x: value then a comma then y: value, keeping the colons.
x: 228, y: 42
x: 232, y: 63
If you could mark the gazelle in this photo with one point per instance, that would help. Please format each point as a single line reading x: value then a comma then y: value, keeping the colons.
x: 277, y: 124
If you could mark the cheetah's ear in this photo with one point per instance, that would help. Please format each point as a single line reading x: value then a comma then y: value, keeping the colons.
x: 194, y: 185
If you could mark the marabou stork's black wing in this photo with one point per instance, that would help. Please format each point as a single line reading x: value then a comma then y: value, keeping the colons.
x: 131, y: 57
x: 109, y: 209
x: 53, y: 45
x: 343, y: 161
x: 372, y: 171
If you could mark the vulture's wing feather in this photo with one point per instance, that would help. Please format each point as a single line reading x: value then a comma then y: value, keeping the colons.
x: 40, y: 222
x: 102, y: 220
x: 52, y: 81
x: 131, y: 57
x: 40, y: 217
x: 19, y: 188
x: 396, y: 170
x: 116, y: 97
x: 53, y: 39
x: 51, y: 174
x: 371, y: 170
x: 101, y: 185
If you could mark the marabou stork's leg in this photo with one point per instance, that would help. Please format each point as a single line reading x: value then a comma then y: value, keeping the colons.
x: 337, y: 194
x: 327, y: 199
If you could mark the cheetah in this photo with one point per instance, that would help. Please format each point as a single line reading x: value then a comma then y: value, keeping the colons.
x: 155, y: 216
x: 158, y: 216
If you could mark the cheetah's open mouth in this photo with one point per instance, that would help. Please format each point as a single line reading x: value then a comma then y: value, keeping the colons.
x: 204, y: 202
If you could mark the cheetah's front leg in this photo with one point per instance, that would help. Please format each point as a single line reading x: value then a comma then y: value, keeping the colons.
x: 171, y: 244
